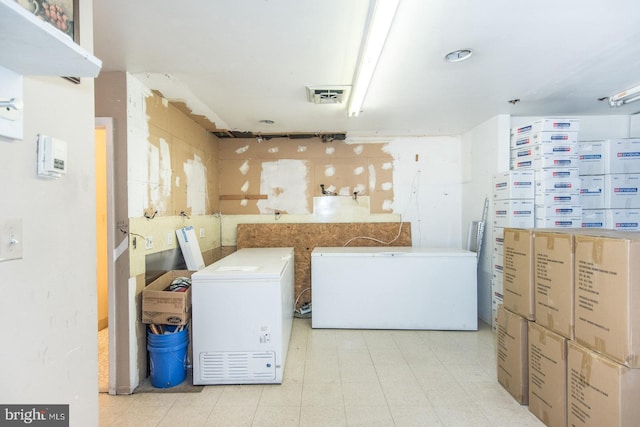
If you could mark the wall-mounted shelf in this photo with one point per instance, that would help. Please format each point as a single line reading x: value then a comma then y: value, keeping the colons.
x: 31, y: 47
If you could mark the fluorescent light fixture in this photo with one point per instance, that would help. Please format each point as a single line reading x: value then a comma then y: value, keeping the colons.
x: 379, y: 24
x: 624, y: 97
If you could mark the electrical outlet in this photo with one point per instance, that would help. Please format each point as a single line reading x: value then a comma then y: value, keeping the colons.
x: 202, y: 233
x: 148, y: 242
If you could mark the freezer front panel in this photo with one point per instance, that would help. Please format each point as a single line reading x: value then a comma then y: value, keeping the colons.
x: 242, y: 323
x: 394, y: 290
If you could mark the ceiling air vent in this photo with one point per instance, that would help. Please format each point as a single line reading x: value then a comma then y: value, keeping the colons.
x: 327, y: 94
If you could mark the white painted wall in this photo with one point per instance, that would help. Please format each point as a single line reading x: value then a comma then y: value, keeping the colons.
x: 485, y: 152
x: 49, y: 304
x: 427, y: 191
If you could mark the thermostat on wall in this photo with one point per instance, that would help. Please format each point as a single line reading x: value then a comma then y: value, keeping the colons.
x: 52, y: 157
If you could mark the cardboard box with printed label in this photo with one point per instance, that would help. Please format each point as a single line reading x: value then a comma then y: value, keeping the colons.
x: 557, y: 210
x: 592, y: 192
x: 512, y: 349
x: 521, y: 140
x: 556, y: 124
x: 513, y: 213
x: 607, y: 294
x: 518, y: 272
x: 609, y: 156
x: 497, y: 262
x: 622, y: 191
x: 557, y: 181
x: 622, y: 156
x: 498, y: 240
x: 556, y: 222
x: 554, y: 255
x: 622, y: 219
x: 593, y: 218
x: 513, y: 185
x: 530, y: 159
x: 600, y: 392
x: 557, y: 198
x: 164, y: 307
x: 591, y: 154
x: 496, y: 301
x: 556, y: 139
x: 547, y: 375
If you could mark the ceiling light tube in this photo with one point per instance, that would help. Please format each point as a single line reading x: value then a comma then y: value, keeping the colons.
x: 379, y: 24
x: 624, y: 97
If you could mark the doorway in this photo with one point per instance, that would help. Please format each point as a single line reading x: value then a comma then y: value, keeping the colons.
x: 103, y: 142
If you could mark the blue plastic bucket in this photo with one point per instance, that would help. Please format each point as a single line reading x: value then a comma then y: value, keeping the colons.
x: 167, y: 340
x: 168, y: 359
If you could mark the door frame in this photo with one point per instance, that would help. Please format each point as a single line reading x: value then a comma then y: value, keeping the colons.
x: 106, y: 123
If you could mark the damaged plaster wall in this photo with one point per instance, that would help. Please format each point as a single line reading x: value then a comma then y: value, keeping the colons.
x: 415, y: 179
x: 284, y: 175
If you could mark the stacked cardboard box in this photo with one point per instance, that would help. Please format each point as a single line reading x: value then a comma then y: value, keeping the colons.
x: 497, y: 275
x: 610, y: 183
x: 547, y: 375
x: 519, y: 272
x: 513, y: 200
x: 512, y: 350
x: 549, y: 147
x: 583, y: 348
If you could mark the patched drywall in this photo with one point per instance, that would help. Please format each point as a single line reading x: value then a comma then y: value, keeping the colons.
x: 172, y: 159
x: 283, y: 175
x: 285, y: 184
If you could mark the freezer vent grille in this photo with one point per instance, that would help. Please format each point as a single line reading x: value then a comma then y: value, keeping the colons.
x: 237, y: 366
x: 327, y: 94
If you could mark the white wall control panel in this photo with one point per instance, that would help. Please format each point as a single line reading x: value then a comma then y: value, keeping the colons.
x: 52, y: 157
x: 10, y: 239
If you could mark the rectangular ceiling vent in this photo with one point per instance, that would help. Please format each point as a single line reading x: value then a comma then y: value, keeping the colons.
x: 327, y: 94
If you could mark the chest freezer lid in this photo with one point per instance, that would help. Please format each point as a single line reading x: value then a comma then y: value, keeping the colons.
x: 248, y: 264
x: 389, y: 251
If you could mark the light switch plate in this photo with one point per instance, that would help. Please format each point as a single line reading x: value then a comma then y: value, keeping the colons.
x: 10, y: 239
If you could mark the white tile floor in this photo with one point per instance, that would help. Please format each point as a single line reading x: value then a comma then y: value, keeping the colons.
x: 349, y: 378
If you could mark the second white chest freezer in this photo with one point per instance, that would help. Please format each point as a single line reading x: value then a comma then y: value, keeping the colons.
x: 242, y: 314
x: 394, y: 288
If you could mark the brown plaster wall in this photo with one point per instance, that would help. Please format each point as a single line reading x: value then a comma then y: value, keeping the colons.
x: 305, y: 237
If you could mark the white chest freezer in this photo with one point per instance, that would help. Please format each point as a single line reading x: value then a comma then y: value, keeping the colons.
x: 242, y: 314
x: 394, y: 288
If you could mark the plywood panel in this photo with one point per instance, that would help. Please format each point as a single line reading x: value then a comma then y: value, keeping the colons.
x: 305, y: 237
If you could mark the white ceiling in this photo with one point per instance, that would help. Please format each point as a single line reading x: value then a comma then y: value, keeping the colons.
x: 239, y: 62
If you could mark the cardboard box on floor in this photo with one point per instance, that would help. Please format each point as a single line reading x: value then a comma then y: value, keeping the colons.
x: 512, y: 348
x: 600, y: 391
x: 165, y: 307
x: 553, y: 283
x: 547, y: 376
x: 518, y: 272
x: 607, y: 294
